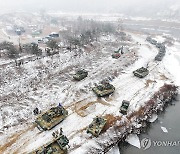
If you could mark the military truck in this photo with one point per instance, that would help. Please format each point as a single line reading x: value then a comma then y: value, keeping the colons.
x: 51, y: 118
x: 124, y: 107
x: 103, y: 89
x: 57, y: 146
x: 141, y: 72
x: 96, y: 126
x: 80, y: 74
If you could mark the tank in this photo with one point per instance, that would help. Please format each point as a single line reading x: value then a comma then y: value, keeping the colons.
x: 80, y: 74
x: 103, y: 89
x: 141, y: 72
x: 51, y: 118
x: 124, y: 107
x: 57, y: 146
x: 96, y: 126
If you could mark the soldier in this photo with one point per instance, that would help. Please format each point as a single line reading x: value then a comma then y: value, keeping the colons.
x: 61, y: 131
x: 36, y: 111
x: 55, y: 134
x: 60, y: 105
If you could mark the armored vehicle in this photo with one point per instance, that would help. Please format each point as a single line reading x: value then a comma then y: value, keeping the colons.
x: 103, y: 89
x: 51, y: 118
x: 160, y: 45
x: 80, y: 74
x: 148, y: 39
x: 124, y: 107
x: 141, y: 72
x: 96, y: 126
x: 159, y: 57
x: 154, y: 42
x: 57, y: 146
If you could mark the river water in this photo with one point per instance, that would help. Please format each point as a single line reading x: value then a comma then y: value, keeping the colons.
x: 170, y: 118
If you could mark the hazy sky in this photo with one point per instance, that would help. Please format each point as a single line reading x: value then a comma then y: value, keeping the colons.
x: 106, y: 6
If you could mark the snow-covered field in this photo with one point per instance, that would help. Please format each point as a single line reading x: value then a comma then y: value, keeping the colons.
x: 46, y: 82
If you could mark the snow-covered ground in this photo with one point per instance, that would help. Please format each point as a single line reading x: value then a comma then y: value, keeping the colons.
x: 46, y: 82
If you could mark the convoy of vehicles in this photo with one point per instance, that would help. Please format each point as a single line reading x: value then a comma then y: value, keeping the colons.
x: 56, y: 115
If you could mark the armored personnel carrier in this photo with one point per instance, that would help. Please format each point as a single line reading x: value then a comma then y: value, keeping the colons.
x: 51, y: 118
x: 57, y: 146
x: 124, y: 107
x: 141, y: 72
x: 80, y: 74
x: 96, y: 126
x: 103, y: 89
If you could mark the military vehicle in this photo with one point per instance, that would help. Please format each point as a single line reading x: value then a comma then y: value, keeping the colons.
x: 124, y: 107
x: 80, y: 74
x: 57, y: 146
x: 159, y: 45
x: 141, y: 72
x: 159, y: 57
x: 51, y: 118
x: 96, y: 126
x: 103, y: 89
x: 148, y: 39
x: 154, y: 42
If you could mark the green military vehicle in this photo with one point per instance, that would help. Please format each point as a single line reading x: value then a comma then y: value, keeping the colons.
x: 141, y: 72
x: 103, y: 89
x: 57, y: 146
x: 124, y: 107
x: 96, y: 126
x: 51, y: 118
x: 80, y: 74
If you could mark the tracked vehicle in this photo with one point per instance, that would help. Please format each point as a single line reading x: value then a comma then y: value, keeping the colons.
x: 141, y: 72
x: 80, y: 74
x: 103, y: 89
x: 51, y: 118
x: 57, y: 146
x: 124, y: 107
x: 96, y: 126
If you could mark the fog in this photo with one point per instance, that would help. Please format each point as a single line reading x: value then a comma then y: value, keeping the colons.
x: 131, y: 7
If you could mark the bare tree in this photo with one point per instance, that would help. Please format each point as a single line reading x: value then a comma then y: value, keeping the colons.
x: 11, y: 49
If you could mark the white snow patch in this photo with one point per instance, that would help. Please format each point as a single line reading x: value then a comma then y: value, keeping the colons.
x: 114, y: 150
x: 153, y: 118
x: 133, y: 139
x: 164, y: 129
